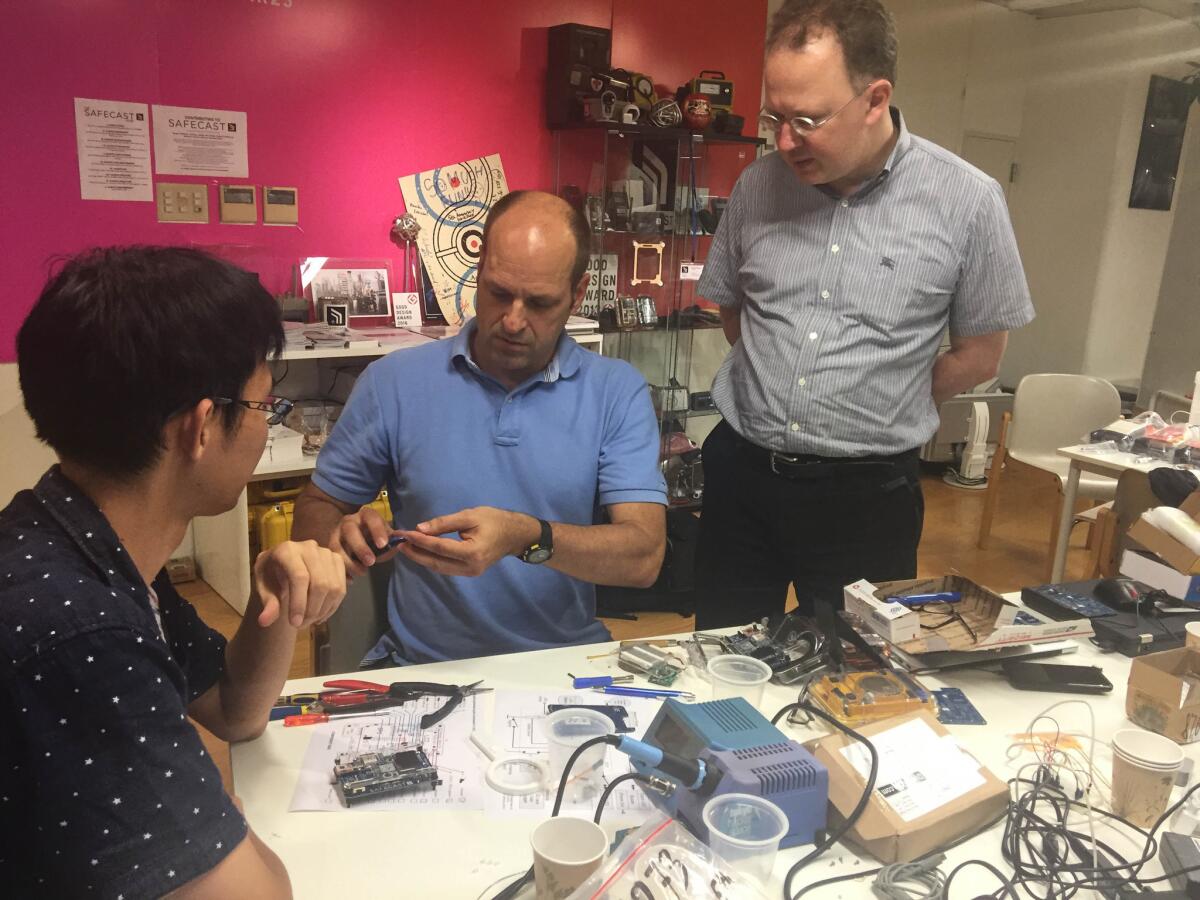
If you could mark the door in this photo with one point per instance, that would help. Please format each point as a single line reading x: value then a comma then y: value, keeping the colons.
x: 994, y: 155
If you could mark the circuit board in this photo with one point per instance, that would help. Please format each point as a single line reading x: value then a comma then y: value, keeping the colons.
x: 953, y: 708
x: 370, y: 775
x: 856, y: 698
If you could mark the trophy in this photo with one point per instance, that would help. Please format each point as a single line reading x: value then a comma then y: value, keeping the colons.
x: 405, y: 229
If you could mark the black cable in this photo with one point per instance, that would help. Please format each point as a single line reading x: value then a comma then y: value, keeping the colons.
x: 944, y: 848
x: 855, y: 814
x: 511, y: 891
x: 1007, y: 884
x: 612, y: 786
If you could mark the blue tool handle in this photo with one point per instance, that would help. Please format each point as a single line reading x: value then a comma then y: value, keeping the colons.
x: 941, y: 597
x: 591, y: 681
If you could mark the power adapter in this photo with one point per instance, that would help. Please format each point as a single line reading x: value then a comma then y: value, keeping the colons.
x: 1178, y: 852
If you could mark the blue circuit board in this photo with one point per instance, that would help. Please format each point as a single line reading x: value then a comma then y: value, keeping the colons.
x: 953, y: 708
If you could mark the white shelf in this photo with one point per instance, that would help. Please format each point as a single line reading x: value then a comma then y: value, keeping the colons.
x: 282, y: 469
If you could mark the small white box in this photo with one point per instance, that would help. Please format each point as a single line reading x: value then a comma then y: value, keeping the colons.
x: 892, y: 621
x: 283, y: 445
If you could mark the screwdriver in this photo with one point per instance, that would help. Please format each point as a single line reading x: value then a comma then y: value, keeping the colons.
x: 318, y: 718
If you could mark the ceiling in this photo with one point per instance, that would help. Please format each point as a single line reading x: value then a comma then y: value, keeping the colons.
x: 1049, y: 9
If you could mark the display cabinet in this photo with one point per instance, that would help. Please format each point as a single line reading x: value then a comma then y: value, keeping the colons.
x: 653, y: 198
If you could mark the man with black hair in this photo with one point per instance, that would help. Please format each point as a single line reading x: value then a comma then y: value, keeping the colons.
x: 514, y: 457
x: 145, y: 369
x: 838, y: 265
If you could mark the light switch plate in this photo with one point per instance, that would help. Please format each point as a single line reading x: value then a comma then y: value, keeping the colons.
x: 177, y: 202
x: 281, y: 205
x: 239, y: 204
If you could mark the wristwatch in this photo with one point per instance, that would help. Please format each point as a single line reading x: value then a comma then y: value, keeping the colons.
x: 541, y: 549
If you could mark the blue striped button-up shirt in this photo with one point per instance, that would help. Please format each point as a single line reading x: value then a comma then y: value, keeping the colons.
x: 844, y: 300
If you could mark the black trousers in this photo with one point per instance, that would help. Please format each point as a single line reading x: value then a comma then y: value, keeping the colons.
x: 815, y: 523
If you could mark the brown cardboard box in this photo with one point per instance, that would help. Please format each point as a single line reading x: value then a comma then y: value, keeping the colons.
x: 1161, y: 543
x: 987, y: 620
x: 884, y: 832
x: 1164, y: 693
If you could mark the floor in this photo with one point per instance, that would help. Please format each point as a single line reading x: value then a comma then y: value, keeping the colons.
x: 1015, y: 557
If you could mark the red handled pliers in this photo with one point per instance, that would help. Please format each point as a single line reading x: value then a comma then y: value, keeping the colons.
x: 368, y: 695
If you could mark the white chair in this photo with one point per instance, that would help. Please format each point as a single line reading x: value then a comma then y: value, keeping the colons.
x: 1052, y: 411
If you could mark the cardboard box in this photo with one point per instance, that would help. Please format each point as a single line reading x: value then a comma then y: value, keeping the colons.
x: 987, y: 620
x: 1154, y: 573
x: 891, y: 621
x: 1163, y: 694
x: 930, y: 791
x: 1162, y: 544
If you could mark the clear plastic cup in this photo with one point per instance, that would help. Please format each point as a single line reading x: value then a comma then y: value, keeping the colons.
x: 745, y: 831
x: 565, y: 730
x: 738, y: 676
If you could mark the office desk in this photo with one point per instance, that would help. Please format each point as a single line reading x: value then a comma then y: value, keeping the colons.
x: 459, y: 854
x: 1110, y: 464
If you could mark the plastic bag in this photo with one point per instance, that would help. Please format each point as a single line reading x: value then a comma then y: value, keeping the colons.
x: 662, y: 860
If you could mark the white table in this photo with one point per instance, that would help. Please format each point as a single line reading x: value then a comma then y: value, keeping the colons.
x: 1110, y: 464
x: 459, y: 854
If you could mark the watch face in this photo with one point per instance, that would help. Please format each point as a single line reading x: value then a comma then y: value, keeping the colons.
x: 538, y: 556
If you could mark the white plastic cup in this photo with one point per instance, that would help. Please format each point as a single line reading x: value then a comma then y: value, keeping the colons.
x: 745, y: 831
x: 565, y: 730
x: 738, y: 676
x: 566, y: 851
x: 1192, y: 636
x: 1144, y: 771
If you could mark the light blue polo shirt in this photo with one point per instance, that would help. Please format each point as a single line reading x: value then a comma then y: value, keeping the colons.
x: 443, y: 436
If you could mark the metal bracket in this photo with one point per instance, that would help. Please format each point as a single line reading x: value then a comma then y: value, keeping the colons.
x: 657, y: 247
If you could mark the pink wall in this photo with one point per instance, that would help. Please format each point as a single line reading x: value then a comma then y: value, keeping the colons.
x: 342, y: 97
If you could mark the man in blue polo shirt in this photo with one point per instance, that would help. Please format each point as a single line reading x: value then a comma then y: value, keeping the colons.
x: 525, y: 466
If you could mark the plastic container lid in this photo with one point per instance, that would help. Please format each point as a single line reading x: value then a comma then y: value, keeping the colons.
x: 743, y: 670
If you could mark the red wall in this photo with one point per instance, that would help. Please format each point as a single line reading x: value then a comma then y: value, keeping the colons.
x: 342, y: 97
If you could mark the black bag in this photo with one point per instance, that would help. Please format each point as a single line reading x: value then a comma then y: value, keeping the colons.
x: 673, y: 590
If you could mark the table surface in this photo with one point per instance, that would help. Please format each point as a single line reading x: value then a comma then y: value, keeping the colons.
x: 460, y: 854
x: 1112, y: 462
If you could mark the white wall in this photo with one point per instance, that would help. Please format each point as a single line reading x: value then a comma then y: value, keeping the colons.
x: 1135, y: 241
x: 23, y: 458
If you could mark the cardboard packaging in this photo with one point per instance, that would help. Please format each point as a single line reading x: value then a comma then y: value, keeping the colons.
x: 1162, y: 544
x: 890, y: 828
x: 1163, y: 694
x: 1156, y: 574
x: 987, y: 620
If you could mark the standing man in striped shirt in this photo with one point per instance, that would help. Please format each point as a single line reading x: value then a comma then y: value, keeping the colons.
x: 837, y: 265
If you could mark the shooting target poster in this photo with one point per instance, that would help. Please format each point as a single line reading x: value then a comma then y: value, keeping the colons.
x: 451, y: 203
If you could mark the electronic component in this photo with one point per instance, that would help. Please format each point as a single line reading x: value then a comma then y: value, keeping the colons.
x: 1179, y: 856
x: 1133, y: 634
x: 281, y: 206
x: 857, y: 698
x: 754, y: 757
x: 1072, y: 600
x: 715, y: 86
x: 953, y: 708
x: 659, y: 667
x: 371, y: 775
x: 238, y: 204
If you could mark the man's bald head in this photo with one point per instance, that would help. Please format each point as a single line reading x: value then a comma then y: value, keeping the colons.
x: 548, y: 214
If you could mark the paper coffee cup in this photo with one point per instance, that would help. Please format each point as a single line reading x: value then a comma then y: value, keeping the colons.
x: 1144, y: 769
x: 1192, y: 639
x: 566, y: 851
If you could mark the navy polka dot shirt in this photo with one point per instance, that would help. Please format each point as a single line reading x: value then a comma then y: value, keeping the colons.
x: 105, y: 787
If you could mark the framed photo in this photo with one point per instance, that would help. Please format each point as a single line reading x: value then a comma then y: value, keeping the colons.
x: 363, y: 285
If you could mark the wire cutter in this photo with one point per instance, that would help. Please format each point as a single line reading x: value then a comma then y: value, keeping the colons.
x: 369, y: 695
